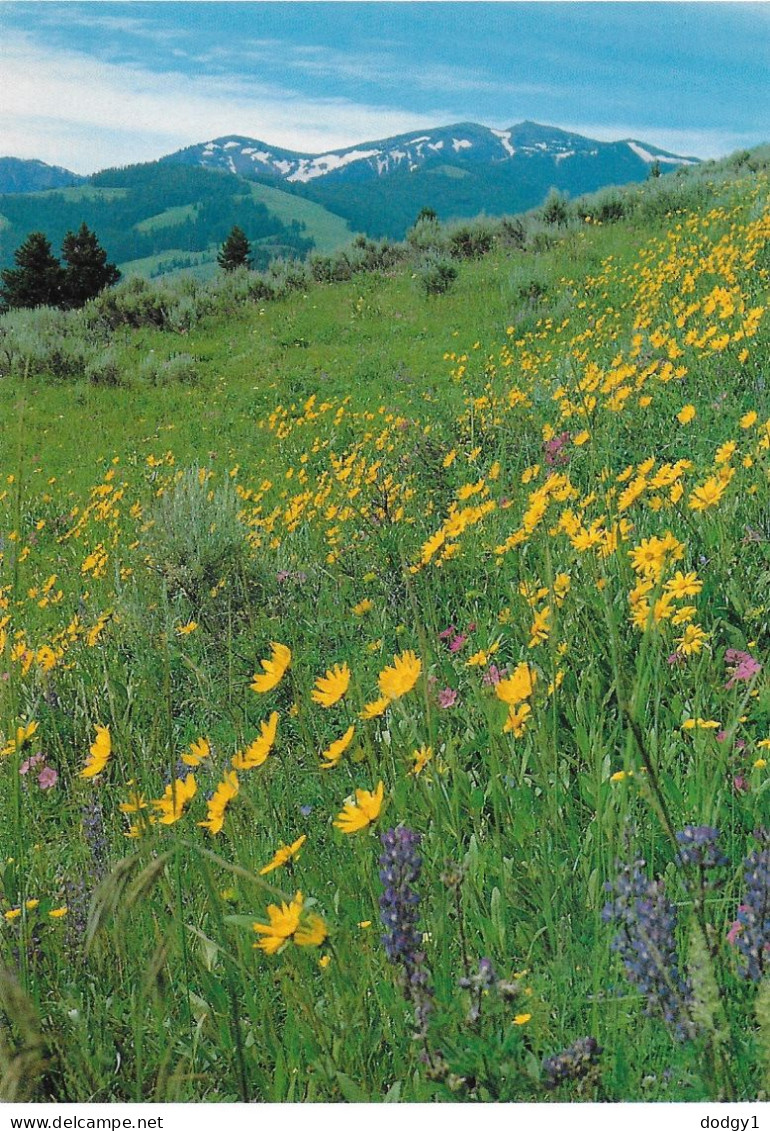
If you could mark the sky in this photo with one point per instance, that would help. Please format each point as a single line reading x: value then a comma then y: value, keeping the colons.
x: 97, y: 84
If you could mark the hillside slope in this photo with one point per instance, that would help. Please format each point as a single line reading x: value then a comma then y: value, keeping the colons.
x: 385, y: 669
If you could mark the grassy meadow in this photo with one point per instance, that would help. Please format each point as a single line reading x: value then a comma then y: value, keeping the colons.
x: 489, y: 567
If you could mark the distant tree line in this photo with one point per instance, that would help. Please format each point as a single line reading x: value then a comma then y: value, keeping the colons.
x: 40, y: 279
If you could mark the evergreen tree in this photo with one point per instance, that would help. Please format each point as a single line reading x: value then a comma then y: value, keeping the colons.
x: 87, y: 271
x: 235, y: 251
x: 37, y: 278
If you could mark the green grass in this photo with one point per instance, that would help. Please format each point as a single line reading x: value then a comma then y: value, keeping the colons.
x: 148, y: 266
x: 356, y: 469
x: 329, y: 231
x: 166, y: 219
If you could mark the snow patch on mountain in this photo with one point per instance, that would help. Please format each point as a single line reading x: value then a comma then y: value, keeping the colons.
x: 461, y: 143
x: 650, y: 158
x: 320, y: 166
x: 505, y: 138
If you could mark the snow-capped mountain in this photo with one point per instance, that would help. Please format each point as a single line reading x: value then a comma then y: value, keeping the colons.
x: 20, y: 175
x: 463, y: 145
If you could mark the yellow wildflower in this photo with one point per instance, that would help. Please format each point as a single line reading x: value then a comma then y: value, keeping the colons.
x: 283, y: 855
x: 175, y: 796
x: 274, y: 669
x: 99, y: 753
x: 360, y: 813
x: 376, y: 708
x: 199, y: 750
x: 692, y: 640
x: 256, y: 752
x: 335, y: 750
x: 226, y: 790
x: 397, y: 680
x: 329, y: 689
x: 287, y: 922
x: 421, y: 758
x: 518, y: 686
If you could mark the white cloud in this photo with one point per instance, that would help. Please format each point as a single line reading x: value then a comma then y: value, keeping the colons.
x: 70, y: 109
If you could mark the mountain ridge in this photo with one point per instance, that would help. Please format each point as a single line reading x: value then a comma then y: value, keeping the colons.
x: 252, y: 157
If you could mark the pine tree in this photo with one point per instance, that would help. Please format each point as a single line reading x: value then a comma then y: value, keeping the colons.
x: 235, y: 251
x: 87, y: 271
x: 37, y: 278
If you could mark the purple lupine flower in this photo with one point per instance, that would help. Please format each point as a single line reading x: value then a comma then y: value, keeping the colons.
x: 699, y: 849
x: 579, y: 1062
x: 646, y: 943
x: 751, y: 930
x: 95, y: 834
x: 400, y: 867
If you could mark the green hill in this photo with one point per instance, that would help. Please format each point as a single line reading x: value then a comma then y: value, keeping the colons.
x: 148, y: 217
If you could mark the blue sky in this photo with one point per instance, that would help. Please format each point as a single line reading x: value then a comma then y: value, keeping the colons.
x: 88, y: 85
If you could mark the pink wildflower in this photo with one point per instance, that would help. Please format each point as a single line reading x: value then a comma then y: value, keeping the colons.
x: 554, y: 455
x: 741, y: 666
x: 30, y: 763
x: 47, y: 778
x: 456, y: 643
x: 736, y: 928
x: 492, y: 675
x: 447, y: 697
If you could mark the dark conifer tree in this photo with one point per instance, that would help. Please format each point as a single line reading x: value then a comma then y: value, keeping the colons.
x: 87, y: 271
x: 37, y: 278
x: 235, y: 251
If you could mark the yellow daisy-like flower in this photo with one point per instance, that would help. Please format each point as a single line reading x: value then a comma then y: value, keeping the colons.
x: 23, y: 736
x: 57, y: 913
x: 363, y: 607
x: 274, y: 669
x: 517, y: 720
x: 691, y: 641
x: 518, y: 686
x: 397, y: 680
x: 98, y: 754
x: 223, y: 795
x: 748, y: 420
x: 175, y: 797
x: 311, y: 931
x: 708, y: 494
x: 199, y: 750
x: 360, y: 813
x: 684, y: 585
x: 376, y: 708
x: 286, y: 922
x: 256, y: 752
x: 701, y: 724
x: 421, y: 758
x: 686, y: 414
x: 285, y: 853
x: 186, y: 629
x: 329, y: 689
x: 334, y: 752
